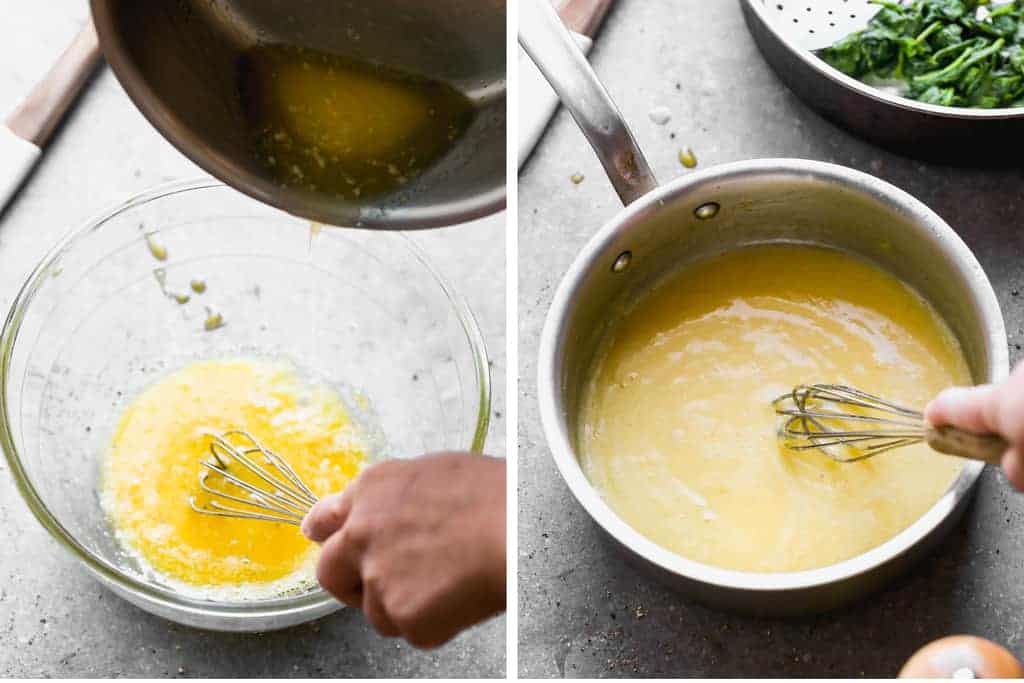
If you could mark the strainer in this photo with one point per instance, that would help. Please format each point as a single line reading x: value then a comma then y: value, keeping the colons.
x: 789, y: 31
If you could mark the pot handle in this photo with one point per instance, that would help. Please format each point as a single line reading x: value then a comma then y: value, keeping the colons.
x: 551, y: 47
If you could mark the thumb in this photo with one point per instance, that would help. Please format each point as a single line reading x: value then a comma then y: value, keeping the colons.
x: 968, y: 408
x: 327, y: 516
x: 988, y: 409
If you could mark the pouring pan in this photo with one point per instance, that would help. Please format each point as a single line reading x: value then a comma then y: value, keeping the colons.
x: 710, y: 212
x: 177, y: 60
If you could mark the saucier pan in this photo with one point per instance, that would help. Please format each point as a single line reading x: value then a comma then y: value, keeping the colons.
x: 177, y: 60
x: 707, y: 213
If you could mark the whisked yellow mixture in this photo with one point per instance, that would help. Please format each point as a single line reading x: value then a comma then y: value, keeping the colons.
x: 678, y: 431
x: 153, y: 466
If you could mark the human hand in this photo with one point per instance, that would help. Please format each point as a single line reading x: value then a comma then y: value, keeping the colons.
x: 418, y: 545
x: 988, y: 409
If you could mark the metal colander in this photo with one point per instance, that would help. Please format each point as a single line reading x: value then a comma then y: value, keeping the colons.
x: 814, y: 24
x: 789, y: 31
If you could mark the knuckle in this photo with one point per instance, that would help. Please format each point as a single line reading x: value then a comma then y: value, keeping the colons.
x: 359, y: 531
x: 373, y: 581
x: 375, y: 471
x: 405, y: 616
x: 327, y: 577
x: 329, y: 511
x: 411, y: 620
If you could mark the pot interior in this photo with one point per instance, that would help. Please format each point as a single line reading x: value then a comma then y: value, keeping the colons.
x: 850, y: 211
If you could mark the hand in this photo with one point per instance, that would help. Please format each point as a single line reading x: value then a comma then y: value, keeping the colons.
x: 988, y: 409
x: 418, y: 545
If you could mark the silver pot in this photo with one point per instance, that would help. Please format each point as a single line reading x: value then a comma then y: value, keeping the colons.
x: 177, y: 60
x: 718, y: 210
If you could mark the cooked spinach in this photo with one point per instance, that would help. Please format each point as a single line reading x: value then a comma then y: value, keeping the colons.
x: 957, y: 53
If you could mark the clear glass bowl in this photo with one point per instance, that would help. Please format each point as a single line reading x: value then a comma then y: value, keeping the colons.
x: 92, y: 327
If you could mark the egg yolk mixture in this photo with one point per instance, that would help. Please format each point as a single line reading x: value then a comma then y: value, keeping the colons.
x: 153, y: 466
x: 677, y: 429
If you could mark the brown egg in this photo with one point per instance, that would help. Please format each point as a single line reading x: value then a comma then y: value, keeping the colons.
x: 962, y: 657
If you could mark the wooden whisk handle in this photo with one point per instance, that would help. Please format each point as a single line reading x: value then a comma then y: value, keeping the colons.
x: 952, y: 441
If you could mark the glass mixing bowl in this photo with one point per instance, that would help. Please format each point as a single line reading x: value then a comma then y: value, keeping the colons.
x: 93, y: 326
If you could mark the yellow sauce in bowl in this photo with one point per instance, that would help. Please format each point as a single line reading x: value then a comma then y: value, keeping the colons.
x: 153, y: 464
x: 677, y: 430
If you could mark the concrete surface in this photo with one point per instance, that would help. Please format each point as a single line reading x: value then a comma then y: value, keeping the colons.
x: 583, y: 611
x: 54, y: 619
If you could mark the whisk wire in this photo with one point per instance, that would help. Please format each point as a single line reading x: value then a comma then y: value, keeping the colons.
x: 285, y: 499
x: 846, y: 424
x: 214, y: 509
x: 258, y: 496
x: 276, y: 460
x: 241, y: 455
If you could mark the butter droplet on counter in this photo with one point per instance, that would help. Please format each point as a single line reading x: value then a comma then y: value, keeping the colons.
x: 687, y: 158
x: 158, y: 250
x: 660, y: 115
x: 213, y: 321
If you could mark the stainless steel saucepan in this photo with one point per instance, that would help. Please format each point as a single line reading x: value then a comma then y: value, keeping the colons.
x: 177, y: 58
x: 710, y: 212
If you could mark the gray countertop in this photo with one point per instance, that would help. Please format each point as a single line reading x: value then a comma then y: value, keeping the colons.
x: 54, y: 619
x: 583, y: 611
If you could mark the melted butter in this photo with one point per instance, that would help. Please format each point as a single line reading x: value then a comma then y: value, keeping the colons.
x: 157, y: 250
x: 343, y: 127
x: 153, y: 464
x: 214, y: 320
x: 679, y: 436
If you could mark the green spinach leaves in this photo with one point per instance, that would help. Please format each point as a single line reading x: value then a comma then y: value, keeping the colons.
x: 948, y: 52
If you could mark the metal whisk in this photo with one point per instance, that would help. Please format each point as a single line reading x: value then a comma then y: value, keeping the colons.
x: 279, y: 495
x: 849, y: 425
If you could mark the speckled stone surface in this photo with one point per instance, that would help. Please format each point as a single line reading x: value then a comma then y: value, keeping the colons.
x: 583, y: 611
x: 54, y: 619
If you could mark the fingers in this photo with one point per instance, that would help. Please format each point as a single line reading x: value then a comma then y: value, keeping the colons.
x: 1013, y: 466
x: 375, y: 612
x: 338, y: 569
x: 327, y: 516
x: 340, y: 572
x: 996, y: 409
x: 1010, y: 408
x: 970, y: 408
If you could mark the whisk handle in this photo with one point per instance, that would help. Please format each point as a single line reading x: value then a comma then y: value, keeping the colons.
x: 952, y: 441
